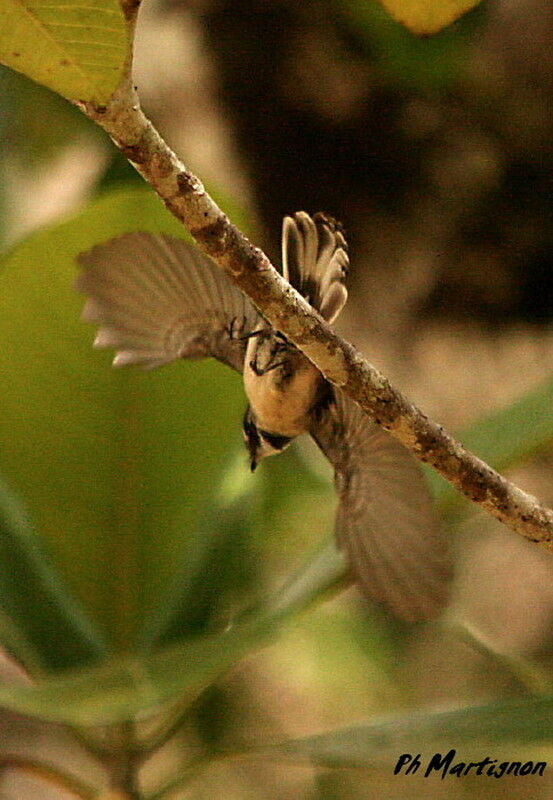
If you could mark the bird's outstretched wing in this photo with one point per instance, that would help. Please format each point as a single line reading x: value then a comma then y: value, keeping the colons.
x: 315, y: 261
x: 157, y: 299
x: 384, y: 519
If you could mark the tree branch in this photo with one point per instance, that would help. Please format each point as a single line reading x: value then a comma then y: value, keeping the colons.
x: 185, y: 196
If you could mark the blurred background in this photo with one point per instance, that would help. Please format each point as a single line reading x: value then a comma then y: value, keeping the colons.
x: 436, y: 155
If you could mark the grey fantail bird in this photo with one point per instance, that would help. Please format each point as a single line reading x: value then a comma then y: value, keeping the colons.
x: 157, y: 299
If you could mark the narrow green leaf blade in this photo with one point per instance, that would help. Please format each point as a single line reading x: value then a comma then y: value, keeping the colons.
x: 40, y: 621
x: 380, y: 743
x: 129, y: 687
x: 516, y: 433
x: 77, y: 49
x: 325, y: 572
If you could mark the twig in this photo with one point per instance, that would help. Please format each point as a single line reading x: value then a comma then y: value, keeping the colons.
x: 185, y: 196
x: 123, y: 766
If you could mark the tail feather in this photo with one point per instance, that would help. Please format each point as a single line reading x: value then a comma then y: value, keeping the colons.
x: 315, y: 261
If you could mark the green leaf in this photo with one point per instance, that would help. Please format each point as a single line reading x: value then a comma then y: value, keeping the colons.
x: 40, y: 623
x: 113, y: 465
x: 404, y: 59
x: 380, y: 743
x: 505, y: 437
x: 516, y: 433
x: 24, y: 136
x: 129, y: 687
x: 425, y: 17
x: 325, y: 572
x: 535, y: 677
x: 123, y: 689
x: 218, y: 564
x: 221, y: 548
x: 77, y: 49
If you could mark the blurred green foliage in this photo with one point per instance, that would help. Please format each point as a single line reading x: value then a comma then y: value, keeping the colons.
x: 504, y: 438
x: 528, y: 722
x: 26, y: 106
x: 113, y: 465
x: 40, y: 623
x: 407, y: 60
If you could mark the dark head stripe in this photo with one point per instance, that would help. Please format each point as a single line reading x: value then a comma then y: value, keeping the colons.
x: 278, y: 442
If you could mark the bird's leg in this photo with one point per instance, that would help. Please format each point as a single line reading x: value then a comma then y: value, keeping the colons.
x: 279, y: 345
x: 259, y: 372
x: 274, y: 366
x: 253, y: 334
x: 234, y: 327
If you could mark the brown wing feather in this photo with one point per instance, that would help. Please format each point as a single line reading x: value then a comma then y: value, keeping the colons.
x: 384, y: 519
x: 157, y: 299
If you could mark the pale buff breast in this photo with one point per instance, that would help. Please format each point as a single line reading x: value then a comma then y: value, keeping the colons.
x: 282, y: 406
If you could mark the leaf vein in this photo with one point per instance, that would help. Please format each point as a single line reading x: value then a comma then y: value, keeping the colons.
x: 91, y: 44
x: 78, y: 25
x: 56, y: 7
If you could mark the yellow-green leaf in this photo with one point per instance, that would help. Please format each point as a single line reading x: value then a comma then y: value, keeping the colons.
x: 427, y: 16
x: 76, y: 48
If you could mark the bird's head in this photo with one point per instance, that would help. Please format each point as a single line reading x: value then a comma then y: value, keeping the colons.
x: 260, y: 443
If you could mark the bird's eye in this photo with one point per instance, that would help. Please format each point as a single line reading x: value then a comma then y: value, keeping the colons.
x: 276, y: 442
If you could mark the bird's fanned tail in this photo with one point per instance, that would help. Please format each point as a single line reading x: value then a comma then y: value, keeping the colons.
x: 315, y: 261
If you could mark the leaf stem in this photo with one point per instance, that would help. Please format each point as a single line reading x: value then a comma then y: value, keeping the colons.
x: 123, y: 766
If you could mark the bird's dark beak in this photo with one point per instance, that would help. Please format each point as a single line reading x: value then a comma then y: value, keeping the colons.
x: 253, y: 464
